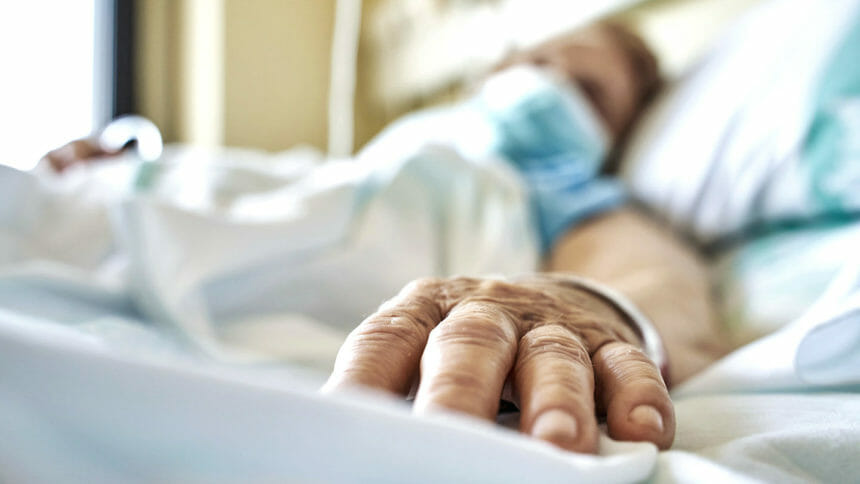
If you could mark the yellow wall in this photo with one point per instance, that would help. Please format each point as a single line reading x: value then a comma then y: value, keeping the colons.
x: 277, y: 72
x: 256, y: 72
x: 236, y: 72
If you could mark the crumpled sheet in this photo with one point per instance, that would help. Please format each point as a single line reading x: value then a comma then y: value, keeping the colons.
x: 221, y: 241
x: 181, y: 335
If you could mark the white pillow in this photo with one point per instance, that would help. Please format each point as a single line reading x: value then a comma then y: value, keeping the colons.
x: 719, y: 150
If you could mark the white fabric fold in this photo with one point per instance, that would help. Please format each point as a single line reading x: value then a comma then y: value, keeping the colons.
x: 74, y: 410
x: 221, y: 238
x: 821, y: 348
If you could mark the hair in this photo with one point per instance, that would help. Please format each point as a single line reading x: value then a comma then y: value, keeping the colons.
x: 646, y: 70
x: 643, y: 62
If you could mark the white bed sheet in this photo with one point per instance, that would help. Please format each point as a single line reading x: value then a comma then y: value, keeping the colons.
x: 77, y: 406
x: 93, y: 390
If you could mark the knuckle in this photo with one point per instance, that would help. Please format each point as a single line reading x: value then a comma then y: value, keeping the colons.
x: 463, y: 281
x: 553, y: 341
x: 495, y: 286
x: 512, y: 293
x: 454, y: 289
x: 418, y: 312
x: 384, y: 329
x: 477, y: 322
x: 422, y: 285
x: 475, y: 327
x: 626, y: 353
x: 628, y: 363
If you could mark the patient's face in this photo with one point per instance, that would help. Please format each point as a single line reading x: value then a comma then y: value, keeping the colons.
x: 611, y: 66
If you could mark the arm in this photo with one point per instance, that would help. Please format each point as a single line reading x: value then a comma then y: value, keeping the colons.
x: 664, y: 277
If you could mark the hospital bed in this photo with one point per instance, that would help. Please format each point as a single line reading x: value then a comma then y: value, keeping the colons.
x: 178, y: 331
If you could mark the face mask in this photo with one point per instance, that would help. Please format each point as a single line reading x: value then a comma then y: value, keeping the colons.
x: 539, y: 117
x: 549, y: 131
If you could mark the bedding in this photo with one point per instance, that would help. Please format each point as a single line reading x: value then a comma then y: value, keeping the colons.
x: 117, y: 365
x: 180, y: 333
x: 762, y: 130
x: 217, y: 240
x: 769, y: 281
x: 753, y: 153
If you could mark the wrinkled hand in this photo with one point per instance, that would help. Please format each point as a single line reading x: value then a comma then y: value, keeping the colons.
x: 560, y: 353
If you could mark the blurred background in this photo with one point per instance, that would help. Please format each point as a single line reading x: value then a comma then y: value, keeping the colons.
x: 273, y: 74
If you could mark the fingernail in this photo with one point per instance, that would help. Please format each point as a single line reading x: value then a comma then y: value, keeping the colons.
x: 556, y: 426
x: 647, y: 416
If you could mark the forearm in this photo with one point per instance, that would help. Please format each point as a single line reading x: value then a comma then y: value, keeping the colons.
x: 663, y: 276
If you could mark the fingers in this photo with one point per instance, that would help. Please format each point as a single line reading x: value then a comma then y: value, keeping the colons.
x: 632, y: 391
x: 467, y: 360
x: 383, y: 352
x: 490, y: 328
x: 554, y: 383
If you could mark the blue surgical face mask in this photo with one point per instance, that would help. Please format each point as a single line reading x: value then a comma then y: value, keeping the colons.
x: 538, y: 116
x: 550, y: 132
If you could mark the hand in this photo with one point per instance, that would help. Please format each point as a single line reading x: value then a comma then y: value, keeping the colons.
x: 84, y: 150
x: 564, y: 354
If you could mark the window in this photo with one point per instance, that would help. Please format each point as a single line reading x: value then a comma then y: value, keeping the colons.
x: 56, y: 78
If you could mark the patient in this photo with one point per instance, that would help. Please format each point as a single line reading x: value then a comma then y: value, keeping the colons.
x: 560, y: 345
x: 563, y: 353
